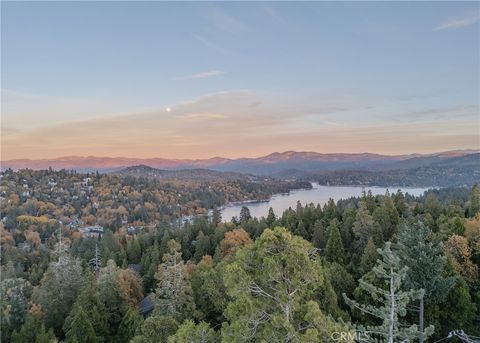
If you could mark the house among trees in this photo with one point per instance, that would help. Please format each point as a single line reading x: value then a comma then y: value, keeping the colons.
x: 91, y: 231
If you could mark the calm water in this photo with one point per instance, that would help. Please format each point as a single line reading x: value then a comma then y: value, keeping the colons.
x: 318, y: 194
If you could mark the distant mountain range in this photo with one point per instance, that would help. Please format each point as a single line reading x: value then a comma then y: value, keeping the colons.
x: 276, y: 164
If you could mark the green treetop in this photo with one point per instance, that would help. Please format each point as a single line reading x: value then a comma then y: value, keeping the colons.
x: 273, y: 283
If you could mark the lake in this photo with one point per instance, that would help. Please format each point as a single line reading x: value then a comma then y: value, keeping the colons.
x: 317, y: 195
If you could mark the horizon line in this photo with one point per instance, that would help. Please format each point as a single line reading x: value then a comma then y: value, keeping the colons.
x: 473, y: 150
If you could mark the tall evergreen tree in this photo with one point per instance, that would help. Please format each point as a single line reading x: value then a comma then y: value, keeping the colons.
x: 426, y: 263
x: 369, y: 257
x: 329, y: 211
x: 202, y: 246
x: 400, y: 204
x: 78, y: 327
x: 174, y: 296
x: 393, y: 300
x: 300, y: 230
x: 271, y: 218
x: 89, y: 301
x: 335, y: 251
x: 134, y: 251
x: 386, y: 215
x: 59, y: 289
x: 365, y: 228
x: 131, y: 321
x: 319, y: 237
x: 474, y: 206
x: 113, y: 298
x: 245, y: 215
x: 14, y: 305
x: 33, y: 331
x: 149, y: 265
x: 216, y: 217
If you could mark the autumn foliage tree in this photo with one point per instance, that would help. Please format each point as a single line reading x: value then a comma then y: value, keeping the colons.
x: 233, y: 241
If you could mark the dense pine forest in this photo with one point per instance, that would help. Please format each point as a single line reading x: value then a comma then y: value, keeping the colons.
x: 390, y: 268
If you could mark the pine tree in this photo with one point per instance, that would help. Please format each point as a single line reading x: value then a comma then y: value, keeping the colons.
x: 209, y: 292
x: 329, y: 211
x: 319, y: 238
x: 369, y: 257
x: 134, y: 251
x: 400, y: 204
x: 202, y: 246
x: 14, y: 305
x: 474, y: 207
x: 164, y: 243
x: 426, y: 263
x: 174, y: 293
x: 364, y: 227
x: 216, y: 217
x: 369, y: 200
x: 89, y: 301
x: 245, y: 215
x: 78, y: 327
x: 432, y: 205
x: 393, y: 300
x: 129, y: 325
x: 271, y: 218
x: 458, y: 310
x: 33, y: 331
x: 112, y: 296
x: 59, y: 289
x: 299, y: 209
x: 300, y: 230
x: 335, y: 251
x: 386, y: 215
x: 149, y: 266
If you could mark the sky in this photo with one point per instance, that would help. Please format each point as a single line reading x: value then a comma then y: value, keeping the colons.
x: 238, y: 79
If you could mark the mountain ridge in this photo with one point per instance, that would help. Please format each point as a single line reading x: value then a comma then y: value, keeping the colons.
x: 268, y: 164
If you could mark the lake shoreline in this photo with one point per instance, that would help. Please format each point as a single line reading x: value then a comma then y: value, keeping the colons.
x: 318, y: 194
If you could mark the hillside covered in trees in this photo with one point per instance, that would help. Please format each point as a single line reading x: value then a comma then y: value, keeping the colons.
x: 52, y: 199
x: 385, y: 268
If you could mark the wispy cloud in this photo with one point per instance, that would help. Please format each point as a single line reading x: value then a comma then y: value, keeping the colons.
x: 238, y: 122
x: 229, y: 122
x: 228, y: 23
x: 211, y: 45
x: 202, y: 116
x: 458, y: 22
x: 441, y: 113
x: 201, y: 75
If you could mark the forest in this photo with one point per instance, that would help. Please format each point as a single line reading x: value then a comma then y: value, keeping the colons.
x: 425, y: 176
x: 389, y: 268
x: 48, y: 197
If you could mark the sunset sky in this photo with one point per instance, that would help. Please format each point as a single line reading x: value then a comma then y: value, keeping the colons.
x: 197, y: 80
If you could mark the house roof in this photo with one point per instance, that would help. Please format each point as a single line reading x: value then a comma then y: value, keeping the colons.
x: 135, y: 267
x: 146, y: 306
